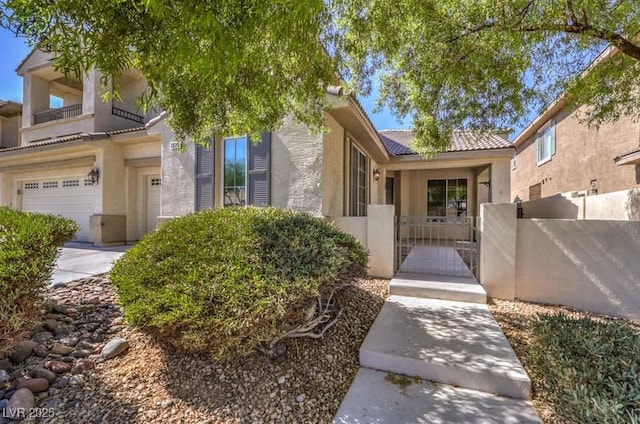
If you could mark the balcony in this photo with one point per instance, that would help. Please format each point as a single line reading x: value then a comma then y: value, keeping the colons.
x: 127, y: 115
x: 58, y: 113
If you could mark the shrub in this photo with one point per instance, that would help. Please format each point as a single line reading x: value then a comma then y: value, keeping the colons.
x: 586, y: 369
x: 230, y: 281
x: 28, y: 250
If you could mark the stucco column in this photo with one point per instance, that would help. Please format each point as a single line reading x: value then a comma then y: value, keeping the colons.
x: 501, y: 181
x: 498, y: 226
x: 380, y: 239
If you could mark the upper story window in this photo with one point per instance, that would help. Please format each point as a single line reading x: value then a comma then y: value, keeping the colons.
x: 235, y: 171
x: 358, y: 182
x: 546, y: 142
x: 447, y: 197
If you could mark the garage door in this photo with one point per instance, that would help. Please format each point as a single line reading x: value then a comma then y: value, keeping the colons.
x: 71, y: 197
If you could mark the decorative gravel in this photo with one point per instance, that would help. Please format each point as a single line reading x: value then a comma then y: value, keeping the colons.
x: 148, y: 382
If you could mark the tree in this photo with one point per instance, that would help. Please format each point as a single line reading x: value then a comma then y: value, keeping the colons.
x: 236, y: 67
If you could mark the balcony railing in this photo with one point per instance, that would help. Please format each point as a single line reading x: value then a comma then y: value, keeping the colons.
x: 58, y: 113
x: 127, y: 115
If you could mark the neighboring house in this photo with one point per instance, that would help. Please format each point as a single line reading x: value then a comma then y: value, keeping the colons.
x: 118, y: 173
x: 49, y: 170
x: 557, y: 153
x: 10, y: 121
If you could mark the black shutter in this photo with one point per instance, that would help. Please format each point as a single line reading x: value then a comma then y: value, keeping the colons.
x: 259, y: 175
x: 204, y: 176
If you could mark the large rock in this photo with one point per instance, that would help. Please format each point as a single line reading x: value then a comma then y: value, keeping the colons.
x: 40, y: 372
x: 60, y: 349
x: 82, y: 365
x: 22, y: 351
x: 114, y: 348
x: 22, y: 400
x: 42, y: 336
x: 36, y: 385
x: 4, y: 377
x: 58, y: 367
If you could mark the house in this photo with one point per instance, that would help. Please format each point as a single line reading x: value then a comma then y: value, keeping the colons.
x: 81, y: 157
x: 10, y: 120
x: 118, y: 173
x: 557, y: 153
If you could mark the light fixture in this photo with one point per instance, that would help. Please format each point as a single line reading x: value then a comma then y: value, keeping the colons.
x: 376, y: 174
x: 94, y: 175
x: 485, y: 183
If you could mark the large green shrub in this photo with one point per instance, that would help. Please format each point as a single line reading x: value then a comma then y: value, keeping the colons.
x: 28, y: 250
x: 227, y: 281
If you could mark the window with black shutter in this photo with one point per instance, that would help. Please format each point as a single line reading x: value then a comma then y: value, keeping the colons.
x: 204, y: 176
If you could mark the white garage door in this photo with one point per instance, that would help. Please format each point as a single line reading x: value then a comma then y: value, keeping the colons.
x: 71, y: 197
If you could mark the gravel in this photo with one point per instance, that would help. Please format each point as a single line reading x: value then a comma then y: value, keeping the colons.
x: 152, y: 383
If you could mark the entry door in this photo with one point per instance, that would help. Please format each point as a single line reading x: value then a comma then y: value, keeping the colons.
x: 153, y: 183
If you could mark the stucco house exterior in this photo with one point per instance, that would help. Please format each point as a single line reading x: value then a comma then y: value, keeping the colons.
x: 10, y: 122
x: 118, y: 172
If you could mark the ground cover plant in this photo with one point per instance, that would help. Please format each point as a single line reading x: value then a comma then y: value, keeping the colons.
x: 232, y: 281
x: 28, y: 250
x: 584, y: 367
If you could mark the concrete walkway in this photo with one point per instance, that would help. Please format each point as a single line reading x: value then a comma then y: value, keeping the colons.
x: 80, y: 260
x: 438, y: 331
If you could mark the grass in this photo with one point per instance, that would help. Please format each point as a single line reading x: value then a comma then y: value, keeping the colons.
x: 584, y: 367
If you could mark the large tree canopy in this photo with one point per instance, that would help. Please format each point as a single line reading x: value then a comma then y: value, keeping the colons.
x: 240, y: 66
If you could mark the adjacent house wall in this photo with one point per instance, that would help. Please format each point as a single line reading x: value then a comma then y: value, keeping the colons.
x: 582, y: 154
x: 587, y: 264
x: 10, y: 131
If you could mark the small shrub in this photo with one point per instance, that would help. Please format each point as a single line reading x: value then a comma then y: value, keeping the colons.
x: 586, y: 369
x: 28, y: 250
x: 228, y: 281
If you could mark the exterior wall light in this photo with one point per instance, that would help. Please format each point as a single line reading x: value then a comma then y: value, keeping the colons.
x: 94, y: 176
x: 376, y: 174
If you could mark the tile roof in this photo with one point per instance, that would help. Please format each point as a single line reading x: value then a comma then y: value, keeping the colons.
x: 67, y: 139
x: 398, y: 142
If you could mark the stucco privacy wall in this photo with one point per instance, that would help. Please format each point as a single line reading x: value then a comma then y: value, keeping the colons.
x: 623, y: 205
x: 376, y: 233
x: 587, y: 264
x: 333, y: 168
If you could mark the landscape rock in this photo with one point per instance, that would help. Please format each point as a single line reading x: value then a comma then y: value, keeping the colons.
x: 4, y: 377
x: 40, y: 372
x: 5, y: 364
x: 61, y: 349
x: 51, y: 324
x: 22, y: 400
x: 81, y: 353
x: 42, y: 336
x: 61, y: 309
x: 41, y: 351
x: 22, y: 351
x: 36, y: 385
x: 58, y: 367
x: 82, y: 365
x: 114, y: 348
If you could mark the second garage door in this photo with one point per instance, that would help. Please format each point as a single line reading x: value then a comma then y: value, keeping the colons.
x: 71, y: 197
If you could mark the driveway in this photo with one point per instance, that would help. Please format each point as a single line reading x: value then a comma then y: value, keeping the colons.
x: 80, y: 260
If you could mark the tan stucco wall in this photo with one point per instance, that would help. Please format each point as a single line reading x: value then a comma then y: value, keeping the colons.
x: 178, y: 175
x: 582, y: 154
x: 586, y: 264
x: 333, y: 168
x: 297, y: 168
x: 10, y: 131
x: 590, y: 265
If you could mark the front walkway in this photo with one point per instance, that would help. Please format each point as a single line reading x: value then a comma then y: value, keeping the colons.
x: 438, y: 331
x: 80, y: 260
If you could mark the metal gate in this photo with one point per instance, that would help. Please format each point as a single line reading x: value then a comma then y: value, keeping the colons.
x: 437, y: 245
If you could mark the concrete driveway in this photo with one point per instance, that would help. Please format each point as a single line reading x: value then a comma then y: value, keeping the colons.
x: 80, y: 260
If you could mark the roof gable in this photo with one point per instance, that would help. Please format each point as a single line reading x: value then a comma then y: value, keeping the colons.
x: 398, y: 142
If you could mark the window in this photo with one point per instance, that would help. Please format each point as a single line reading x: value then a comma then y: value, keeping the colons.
x: 358, y: 182
x: 447, y: 197
x: 546, y: 143
x: 235, y: 171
